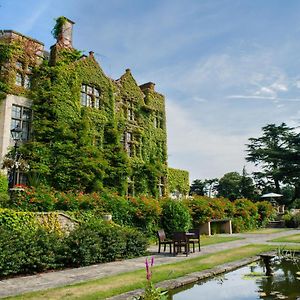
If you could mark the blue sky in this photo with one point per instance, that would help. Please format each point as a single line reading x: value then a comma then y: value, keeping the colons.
x: 226, y: 67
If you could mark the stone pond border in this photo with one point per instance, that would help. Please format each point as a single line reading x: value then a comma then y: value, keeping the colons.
x: 191, y: 278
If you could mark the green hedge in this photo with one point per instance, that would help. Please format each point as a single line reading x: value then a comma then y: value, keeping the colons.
x: 244, y: 213
x: 36, y: 249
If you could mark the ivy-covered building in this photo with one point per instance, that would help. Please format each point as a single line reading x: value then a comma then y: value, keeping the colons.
x: 81, y: 129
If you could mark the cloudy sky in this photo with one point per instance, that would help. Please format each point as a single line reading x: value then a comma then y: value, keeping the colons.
x: 226, y: 67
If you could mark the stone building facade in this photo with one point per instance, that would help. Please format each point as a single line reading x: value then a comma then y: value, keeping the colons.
x: 63, y: 98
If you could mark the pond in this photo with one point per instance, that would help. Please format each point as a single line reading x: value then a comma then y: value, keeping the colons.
x: 247, y: 283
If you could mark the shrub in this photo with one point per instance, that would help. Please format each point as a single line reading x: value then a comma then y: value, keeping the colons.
x: 4, y: 197
x: 119, y: 207
x: 97, y: 241
x: 175, y: 216
x: 146, y: 214
x: 27, y: 251
x: 246, y: 215
x: 3, y: 183
x: 292, y: 220
x: 200, y: 210
x: 265, y: 211
x: 17, y: 221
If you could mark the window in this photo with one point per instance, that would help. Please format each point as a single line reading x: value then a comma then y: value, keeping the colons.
x: 90, y: 96
x: 161, y: 186
x: 127, y: 141
x: 26, y: 81
x: 23, y: 75
x: 158, y: 120
x: 130, y: 112
x: 22, y: 117
x: 19, y: 79
x: 130, y: 188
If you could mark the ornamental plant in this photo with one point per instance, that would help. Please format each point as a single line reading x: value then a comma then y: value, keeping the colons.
x: 151, y: 292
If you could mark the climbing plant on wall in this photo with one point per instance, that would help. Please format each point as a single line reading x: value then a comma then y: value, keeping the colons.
x: 116, y: 143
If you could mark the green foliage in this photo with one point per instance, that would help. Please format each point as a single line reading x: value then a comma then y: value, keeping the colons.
x: 141, y: 212
x: 292, y: 220
x: 17, y: 221
x: 178, y: 181
x: 57, y: 29
x: 27, y: 251
x: 146, y: 214
x: 3, y: 190
x: 96, y: 242
x: 266, y: 212
x: 197, y: 187
x: 175, y: 216
x: 200, y: 210
x: 246, y: 215
x: 277, y: 152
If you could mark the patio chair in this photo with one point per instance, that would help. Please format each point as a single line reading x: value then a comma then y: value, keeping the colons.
x: 163, y: 241
x: 180, y: 241
x: 195, y: 238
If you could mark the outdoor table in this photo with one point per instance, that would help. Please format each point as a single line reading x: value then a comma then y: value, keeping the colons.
x: 186, y: 241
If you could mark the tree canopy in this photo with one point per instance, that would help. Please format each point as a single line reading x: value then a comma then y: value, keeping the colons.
x: 277, y: 153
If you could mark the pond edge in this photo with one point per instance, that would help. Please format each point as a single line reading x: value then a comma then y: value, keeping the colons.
x: 190, y: 278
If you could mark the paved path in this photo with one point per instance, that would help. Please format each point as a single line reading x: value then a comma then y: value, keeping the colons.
x: 48, y: 280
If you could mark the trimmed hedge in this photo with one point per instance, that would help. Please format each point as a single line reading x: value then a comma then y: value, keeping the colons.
x: 36, y: 249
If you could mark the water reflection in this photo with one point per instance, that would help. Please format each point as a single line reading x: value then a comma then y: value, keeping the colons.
x: 247, y: 283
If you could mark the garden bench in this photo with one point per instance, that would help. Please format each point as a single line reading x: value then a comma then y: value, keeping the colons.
x: 225, y: 225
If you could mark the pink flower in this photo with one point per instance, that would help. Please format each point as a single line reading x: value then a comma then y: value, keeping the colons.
x: 148, y: 268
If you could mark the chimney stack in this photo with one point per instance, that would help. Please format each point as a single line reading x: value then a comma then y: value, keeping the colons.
x: 64, y: 37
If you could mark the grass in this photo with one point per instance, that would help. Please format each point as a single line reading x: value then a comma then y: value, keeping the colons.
x: 267, y: 230
x: 117, y: 284
x: 288, y: 239
x: 216, y: 239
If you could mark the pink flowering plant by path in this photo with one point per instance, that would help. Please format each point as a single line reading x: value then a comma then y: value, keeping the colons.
x: 151, y: 292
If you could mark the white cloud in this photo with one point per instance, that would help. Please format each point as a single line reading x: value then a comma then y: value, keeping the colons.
x: 204, y: 152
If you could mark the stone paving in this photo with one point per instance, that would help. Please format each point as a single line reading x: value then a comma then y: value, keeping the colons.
x: 19, y: 285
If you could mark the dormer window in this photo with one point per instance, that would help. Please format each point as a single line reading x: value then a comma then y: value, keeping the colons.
x: 90, y: 96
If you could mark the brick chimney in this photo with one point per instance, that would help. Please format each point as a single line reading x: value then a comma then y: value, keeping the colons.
x: 64, y: 37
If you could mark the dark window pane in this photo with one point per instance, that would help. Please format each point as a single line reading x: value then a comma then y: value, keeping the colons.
x: 16, y: 112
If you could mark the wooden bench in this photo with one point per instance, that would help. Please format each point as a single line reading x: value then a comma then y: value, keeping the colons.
x: 225, y: 225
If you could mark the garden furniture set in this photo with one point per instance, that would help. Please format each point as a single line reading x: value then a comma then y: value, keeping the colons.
x: 180, y: 241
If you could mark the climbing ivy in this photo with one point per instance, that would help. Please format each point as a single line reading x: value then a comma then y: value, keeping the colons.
x: 178, y: 181
x: 80, y: 148
x: 57, y: 29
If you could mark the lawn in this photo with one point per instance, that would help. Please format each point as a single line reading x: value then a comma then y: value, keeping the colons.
x: 267, y: 230
x: 216, y: 239
x: 114, y: 285
x: 288, y: 239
